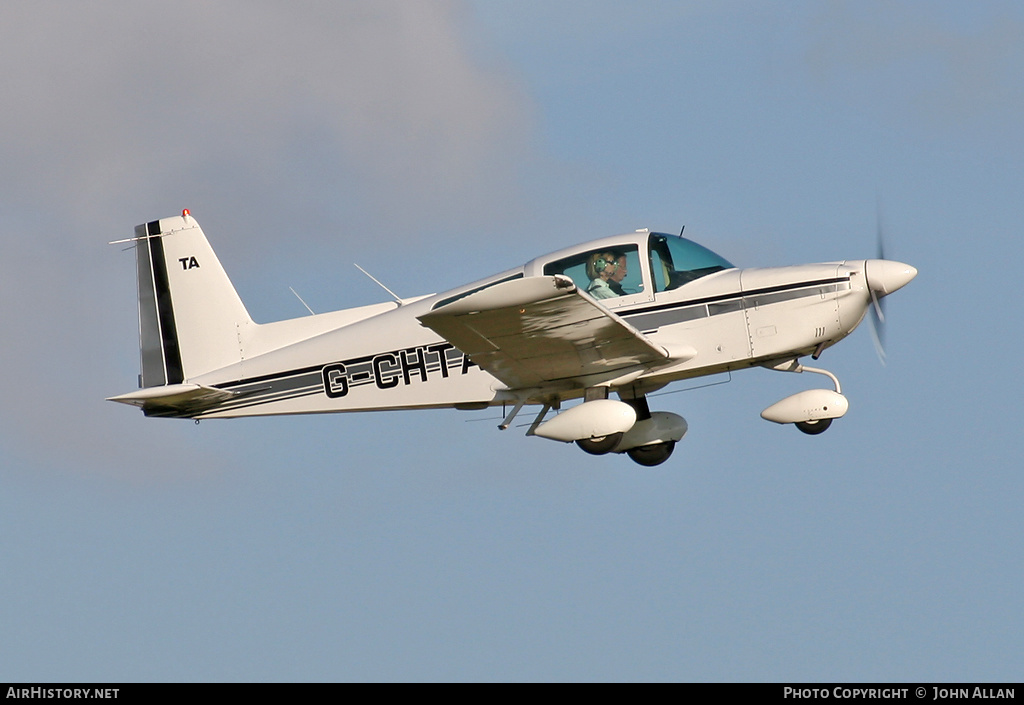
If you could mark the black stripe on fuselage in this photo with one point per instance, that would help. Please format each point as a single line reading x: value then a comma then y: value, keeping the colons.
x: 164, y: 306
x: 738, y: 295
x: 275, y: 376
x: 650, y: 318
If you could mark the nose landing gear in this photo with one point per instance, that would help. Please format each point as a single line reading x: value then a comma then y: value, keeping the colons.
x: 813, y: 428
x: 811, y: 411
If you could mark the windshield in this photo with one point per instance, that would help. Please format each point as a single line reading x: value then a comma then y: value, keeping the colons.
x: 676, y: 261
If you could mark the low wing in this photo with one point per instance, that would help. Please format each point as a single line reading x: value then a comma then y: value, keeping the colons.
x: 540, y: 330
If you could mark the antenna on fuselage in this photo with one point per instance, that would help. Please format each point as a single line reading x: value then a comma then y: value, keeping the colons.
x: 302, y: 301
x: 398, y: 299
x: 681, y: 230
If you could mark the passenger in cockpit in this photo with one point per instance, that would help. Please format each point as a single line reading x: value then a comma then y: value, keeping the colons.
x: 600, y: 268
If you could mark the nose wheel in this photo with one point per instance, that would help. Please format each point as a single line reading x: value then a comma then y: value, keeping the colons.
x: 811, y: 411
x: 813, y: 428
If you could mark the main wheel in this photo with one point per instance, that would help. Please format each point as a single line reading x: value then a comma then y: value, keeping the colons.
x: 601, y: 444
x: 813, y: 428
x: 654, y: 454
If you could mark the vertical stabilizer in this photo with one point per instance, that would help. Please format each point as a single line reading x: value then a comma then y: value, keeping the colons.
x: 191, y: 320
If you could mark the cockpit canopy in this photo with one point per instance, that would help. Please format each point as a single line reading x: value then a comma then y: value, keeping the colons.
x: 619, y: 271
x: 659, y: 262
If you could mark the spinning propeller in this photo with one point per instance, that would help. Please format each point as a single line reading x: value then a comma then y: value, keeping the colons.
x: 883, y: 277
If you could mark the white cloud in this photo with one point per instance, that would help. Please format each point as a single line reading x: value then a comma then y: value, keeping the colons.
x: 106, y: 101
x: 120, y: 112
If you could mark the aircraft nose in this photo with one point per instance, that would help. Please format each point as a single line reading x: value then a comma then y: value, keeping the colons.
x: 886, y: 276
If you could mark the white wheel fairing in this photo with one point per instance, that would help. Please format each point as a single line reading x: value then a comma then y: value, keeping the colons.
x: 661, y: 427
x: 591, y: 419
x: 809, y: 405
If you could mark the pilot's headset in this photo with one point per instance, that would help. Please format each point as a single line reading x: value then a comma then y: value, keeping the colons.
x: 605, y: 261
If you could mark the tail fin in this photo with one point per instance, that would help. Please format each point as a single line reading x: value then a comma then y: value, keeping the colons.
x: 191, y: 320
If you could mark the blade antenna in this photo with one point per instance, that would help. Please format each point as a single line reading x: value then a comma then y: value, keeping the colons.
x: 302, y: 301
x: 376, y: 281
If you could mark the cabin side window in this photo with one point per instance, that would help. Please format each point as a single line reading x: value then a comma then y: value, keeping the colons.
x: 605, y: 273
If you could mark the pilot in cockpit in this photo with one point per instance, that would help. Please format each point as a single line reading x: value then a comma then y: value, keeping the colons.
x: 601, y: 267
x: 621, y: 270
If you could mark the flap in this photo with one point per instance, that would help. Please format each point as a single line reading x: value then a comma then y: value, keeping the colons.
x: 532, y: 331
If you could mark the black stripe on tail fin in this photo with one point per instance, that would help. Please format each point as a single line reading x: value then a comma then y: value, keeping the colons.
x: 158, y: 337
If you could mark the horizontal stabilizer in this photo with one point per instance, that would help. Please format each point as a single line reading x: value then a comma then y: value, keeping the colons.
x: 174, y: 399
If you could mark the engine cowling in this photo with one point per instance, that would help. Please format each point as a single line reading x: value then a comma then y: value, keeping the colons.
x: 592, y: 419
x: 809, y: 405
x: 662, y: 427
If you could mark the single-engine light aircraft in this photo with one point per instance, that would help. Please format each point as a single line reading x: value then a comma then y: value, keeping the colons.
x: 623, y: 315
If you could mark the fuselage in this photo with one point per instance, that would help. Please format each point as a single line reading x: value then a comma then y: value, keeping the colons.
x: 676, y: 293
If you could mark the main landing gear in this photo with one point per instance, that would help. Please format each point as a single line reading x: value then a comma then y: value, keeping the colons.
x: 651, y: 455
x: 601, y: 425
x: 601, y: 444
x: 649, y: 441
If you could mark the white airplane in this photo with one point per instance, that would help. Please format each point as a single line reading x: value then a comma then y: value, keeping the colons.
x: 623, y: 315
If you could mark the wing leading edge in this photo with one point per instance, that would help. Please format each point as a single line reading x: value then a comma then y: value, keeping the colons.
x: 537, y: 331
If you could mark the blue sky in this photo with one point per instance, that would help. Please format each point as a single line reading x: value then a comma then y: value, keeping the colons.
x: 437, y: 142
